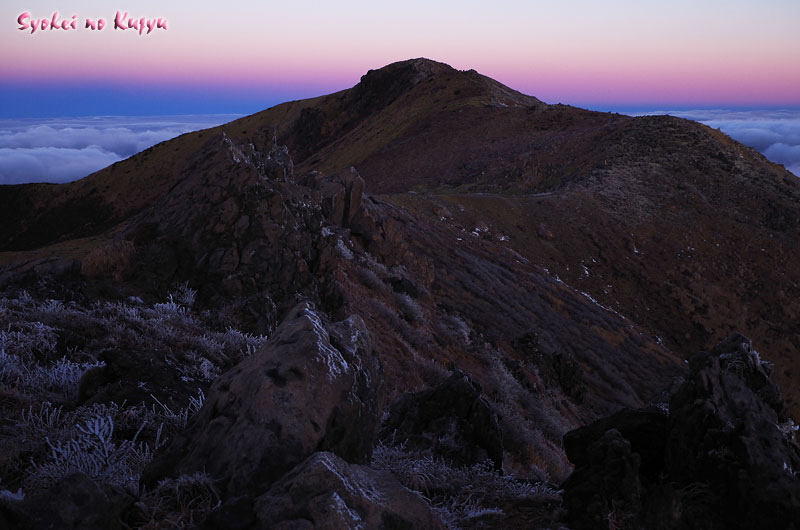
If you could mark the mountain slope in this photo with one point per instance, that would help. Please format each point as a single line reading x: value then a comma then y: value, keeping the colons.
x: 683, y: 230
x: 426, y: 229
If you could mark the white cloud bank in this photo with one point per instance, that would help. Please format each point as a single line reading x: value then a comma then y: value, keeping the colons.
x: 61, y: 150
x: 775, y: 133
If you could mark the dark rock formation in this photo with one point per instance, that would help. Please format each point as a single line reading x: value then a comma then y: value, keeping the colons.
x: 725, y: 432
x: 452, y: 421
x: 725, y: 456
x: 73, y: 503
x: 239, y: 227
x: 314, y: 386
x: 645, y: 430
x: 341, y: 194
x: 325, y: 492
x: 605, y: 492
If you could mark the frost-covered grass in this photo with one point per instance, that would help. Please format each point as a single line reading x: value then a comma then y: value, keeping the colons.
x: 94, y: 452
x: 458, y: 494
x: 182, y: 502
x: 47, y: 348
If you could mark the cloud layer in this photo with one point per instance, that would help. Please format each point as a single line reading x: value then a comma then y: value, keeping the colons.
x: 61, y: 150
x: 775, y: 133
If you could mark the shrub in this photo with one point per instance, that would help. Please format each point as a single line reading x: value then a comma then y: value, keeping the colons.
x: 457, y: 494
x: 45, y: 348
x: 369, y: 279
x: 94, y: 452
x: 112, y: 260
x: 184, y: 295
x: 452, y: 330
x: 409, y: 308
x: 180, y: 502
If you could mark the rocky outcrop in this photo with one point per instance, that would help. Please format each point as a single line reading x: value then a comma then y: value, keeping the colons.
x: 341, y: 194
x: 644, y: 430
x: 606, y: 491
x: 725, y: 456
x: 452, y: 421
x: 315, y: 386
x: 725, y: 431
x: 325, y: 492
x: 75, y: 502
x: 240, y: 227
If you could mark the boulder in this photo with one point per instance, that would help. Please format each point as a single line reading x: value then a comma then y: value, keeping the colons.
x: 606, y: 492
x: 452, y: 420
x: 325, y: 492
x: 73, y: 503
x: 355, y: 185
x: 645, y: 430
x: 725, y: 432
x: 725, y: 457
x: 341, y: 194
x: 313, y: 386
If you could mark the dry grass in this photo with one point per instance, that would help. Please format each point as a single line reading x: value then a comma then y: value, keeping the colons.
x: 112, y: 260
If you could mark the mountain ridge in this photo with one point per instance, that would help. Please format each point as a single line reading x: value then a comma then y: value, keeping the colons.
x: 422, y: 126
x: 551, y: 265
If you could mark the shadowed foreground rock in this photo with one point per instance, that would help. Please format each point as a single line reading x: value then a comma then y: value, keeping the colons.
x: 452, y: 421
x: 314, y: 386
x: 325, y: 492
x: 74, y: 502
x: 725, y: 456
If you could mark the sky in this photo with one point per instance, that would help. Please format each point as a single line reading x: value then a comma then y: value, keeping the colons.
x: 241, y: 56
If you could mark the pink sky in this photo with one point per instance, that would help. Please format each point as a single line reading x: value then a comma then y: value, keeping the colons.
x: 582, y: 52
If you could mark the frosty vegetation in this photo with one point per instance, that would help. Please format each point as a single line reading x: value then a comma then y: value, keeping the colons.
x: 458, y: 494
x: 48, y: 346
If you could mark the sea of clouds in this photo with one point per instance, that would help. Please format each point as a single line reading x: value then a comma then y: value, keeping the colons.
x: 775, y: 133
x: 61, y: 150
x: 65, y: 149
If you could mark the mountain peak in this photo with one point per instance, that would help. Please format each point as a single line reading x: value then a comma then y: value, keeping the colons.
x: 381, y: 87
x: 414, y: 70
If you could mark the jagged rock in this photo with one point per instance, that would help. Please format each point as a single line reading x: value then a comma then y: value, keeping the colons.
x: 646, y: 430
x: 325, y: 492
x: 314, y: 386
x: 452, y: 421
x: 73, y: 503
x: 239, y: 228
x: 724, y: 432
x: 355, y: 191
x: 341, y: 194
x: 720, y: 460
x: 334, y: 197
x: 607, y: 487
